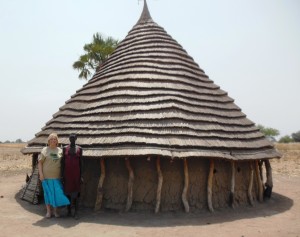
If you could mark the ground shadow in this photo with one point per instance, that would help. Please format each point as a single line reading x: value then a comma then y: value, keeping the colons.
x: 273, y: 206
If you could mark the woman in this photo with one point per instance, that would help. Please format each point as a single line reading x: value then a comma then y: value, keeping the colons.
x: 49, y: 163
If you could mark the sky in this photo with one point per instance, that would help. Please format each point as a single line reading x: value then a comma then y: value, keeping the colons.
x: 250, y: 48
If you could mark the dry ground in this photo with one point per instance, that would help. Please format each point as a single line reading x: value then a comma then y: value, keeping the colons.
x: 280, y: 216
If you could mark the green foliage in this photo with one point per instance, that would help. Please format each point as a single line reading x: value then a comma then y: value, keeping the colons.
x: 268, y: 132
x: 286, y: 139
x: 296, y: 136
x: 96, y: 53
x: 19, y: 140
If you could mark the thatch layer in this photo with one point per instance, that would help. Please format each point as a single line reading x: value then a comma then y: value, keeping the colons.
x: 151, y: 98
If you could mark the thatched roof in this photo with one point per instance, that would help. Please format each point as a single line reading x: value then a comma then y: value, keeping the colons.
x: 151, y: 98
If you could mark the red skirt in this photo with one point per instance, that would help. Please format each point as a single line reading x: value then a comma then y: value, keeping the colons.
x: 72, y: 174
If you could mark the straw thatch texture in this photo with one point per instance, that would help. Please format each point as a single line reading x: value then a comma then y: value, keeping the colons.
x: 151, y: 98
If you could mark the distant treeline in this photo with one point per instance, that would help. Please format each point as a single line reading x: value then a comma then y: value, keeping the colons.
x: 19, y: 140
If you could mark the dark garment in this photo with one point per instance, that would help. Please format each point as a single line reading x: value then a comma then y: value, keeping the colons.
x: 71, y: 171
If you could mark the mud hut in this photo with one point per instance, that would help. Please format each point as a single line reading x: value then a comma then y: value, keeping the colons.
x: 158, y: 134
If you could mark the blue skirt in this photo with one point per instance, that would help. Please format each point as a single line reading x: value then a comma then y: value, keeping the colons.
x: 53, y: 193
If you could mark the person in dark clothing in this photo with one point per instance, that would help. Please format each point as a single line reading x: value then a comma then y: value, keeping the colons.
x: 71, y: 170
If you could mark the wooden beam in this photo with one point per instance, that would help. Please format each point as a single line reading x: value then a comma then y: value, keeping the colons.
x: 259, y: 182
x: 186, y: 186
x: 261, y: 172
x: 269, y: 181
x: 232, y: 184
x: 250, y: 197
x: 99, y: 198
x: 130, y: 185
x: 210, y: 185
x: 159, y: 185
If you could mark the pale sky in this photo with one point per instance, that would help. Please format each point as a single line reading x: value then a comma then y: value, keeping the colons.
x: 250, y: 48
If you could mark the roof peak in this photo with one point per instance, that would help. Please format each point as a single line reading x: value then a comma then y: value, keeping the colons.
x: 145, y: 16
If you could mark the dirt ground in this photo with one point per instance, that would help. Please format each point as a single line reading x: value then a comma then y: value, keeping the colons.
x: 279, y: 216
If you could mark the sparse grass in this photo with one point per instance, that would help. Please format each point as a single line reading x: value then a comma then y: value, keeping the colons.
x: 12, y: 145
x: 288, y: 146
x: 12, y: 160
x: 289, y: 164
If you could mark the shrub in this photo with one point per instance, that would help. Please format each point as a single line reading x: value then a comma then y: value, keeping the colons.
x: 296, y: 136
x: 286, y: 139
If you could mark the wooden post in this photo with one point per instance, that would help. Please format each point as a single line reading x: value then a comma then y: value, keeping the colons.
x: 232, y: 186
x: 99, y: 198
x: 260, y: 164
x: 159, y: 185
x: 210, y: 184
x: 250, y: 197
x: 259, y: 182
x: 186, y: 186
x: 130, y: 185
x: 269, y: 181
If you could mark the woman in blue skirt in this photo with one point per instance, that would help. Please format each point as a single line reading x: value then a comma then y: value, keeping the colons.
x: 49, y: 172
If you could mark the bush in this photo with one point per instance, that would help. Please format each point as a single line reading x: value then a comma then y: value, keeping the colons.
x: 296, y: 136
x: 286, y: 139
x: 19, y: 141
x: 268, y: 132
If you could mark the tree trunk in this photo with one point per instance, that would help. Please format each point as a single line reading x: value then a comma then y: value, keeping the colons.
x: 259, y: 182
x: 232, y: 186
x: 99, y: 198
x: 250, y: 197
x: 261, y: 172
x: 186, y: 186
x: 209, y: 185
x: 130, y: 185
x: 269, y: 182
x: 159, y: 185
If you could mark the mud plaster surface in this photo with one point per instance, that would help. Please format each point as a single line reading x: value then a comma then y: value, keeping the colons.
x: 115, y: 185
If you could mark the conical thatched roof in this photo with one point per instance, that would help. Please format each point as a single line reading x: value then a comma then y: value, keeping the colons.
x: 151, y: 98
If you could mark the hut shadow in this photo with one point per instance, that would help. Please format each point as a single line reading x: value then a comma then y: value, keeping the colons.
x: 40, y: 210
x: 276, y: 205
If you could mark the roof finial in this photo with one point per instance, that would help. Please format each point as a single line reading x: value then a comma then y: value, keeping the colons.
x: 145, y: 14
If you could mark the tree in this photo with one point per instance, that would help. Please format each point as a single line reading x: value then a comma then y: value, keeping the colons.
x: 19, y: 140
x: 296, y: 136
x: 95, y: 55
x: 268, y: 132
x: 286, y: 139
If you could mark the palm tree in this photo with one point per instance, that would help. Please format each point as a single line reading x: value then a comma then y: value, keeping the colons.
x: 96, y: 53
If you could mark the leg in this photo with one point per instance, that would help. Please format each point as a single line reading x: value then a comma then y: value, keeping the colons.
x: 48, y: 207
x: 69, y: 206
x: 56, y: 214
x: 75, y: 215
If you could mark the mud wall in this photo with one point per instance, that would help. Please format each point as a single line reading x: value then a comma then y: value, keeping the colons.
x: 91, y: 173
x: 222, y: 181
x: 145, y: 184
x: 198, y: 173
x: 242, y: 179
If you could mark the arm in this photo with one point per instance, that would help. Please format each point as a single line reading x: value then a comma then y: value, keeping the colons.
x: 40, y: 167
x: 81, y: 165
x: 62, y: 166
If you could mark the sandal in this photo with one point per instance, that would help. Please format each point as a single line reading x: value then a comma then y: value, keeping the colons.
x: 48, y: 215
